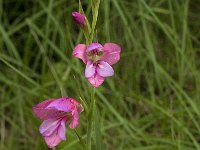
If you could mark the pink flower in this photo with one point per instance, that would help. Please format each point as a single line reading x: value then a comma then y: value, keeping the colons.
x: 79, y: 18
x: 98, y: 60
x: 55, y: 113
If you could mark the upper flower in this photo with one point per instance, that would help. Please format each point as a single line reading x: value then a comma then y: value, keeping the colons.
x: 55, y: 113
x: 79, y: 18
x: 98, y: 60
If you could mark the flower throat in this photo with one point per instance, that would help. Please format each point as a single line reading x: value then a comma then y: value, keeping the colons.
x: 95, y: 55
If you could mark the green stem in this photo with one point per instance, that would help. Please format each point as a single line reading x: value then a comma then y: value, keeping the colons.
x: 90, y: 120
x: 80, y: 139
x: 95, y: 11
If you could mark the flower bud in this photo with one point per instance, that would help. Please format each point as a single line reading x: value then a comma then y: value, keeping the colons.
x: 79, y: 18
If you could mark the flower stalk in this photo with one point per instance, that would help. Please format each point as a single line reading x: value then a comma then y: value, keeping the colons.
x: 55, y: 113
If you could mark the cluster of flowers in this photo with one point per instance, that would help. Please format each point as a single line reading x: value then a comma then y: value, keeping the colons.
x: 56, y: 112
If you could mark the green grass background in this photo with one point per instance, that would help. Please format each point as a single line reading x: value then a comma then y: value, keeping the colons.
x: 152, y: 102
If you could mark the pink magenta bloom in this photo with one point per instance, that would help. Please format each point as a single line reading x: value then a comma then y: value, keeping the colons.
x: 55, y: 113
x: 79, y: 18
x: 98, y: 60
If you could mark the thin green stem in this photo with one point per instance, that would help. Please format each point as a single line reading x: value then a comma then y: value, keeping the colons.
x: 81, y: 140
x: 95, y: 11
x: 90, y: 120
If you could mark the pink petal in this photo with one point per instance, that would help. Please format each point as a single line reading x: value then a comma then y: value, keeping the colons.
x: 62, y: 129
x: 75, y: 121
x: 41, y: 111
x: 53, y: 131
x: 93, y: 46
x: 54, y: 108
x: 62, y: 104
x: 90, y: 69
x: 111, y: 53
x: 104, y: 69
x: 52, y: 140
x: 49, y: 126
x: 96, y: 80
x: 79, y: 52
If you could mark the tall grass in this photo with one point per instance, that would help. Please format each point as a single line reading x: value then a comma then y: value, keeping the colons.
x: 152, y: 102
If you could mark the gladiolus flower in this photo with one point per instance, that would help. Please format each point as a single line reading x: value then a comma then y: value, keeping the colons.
x: 79, y: 18
x: 55, y: 113
x: 98, y: 60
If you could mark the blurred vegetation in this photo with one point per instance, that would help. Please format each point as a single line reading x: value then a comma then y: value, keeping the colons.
x: 152, y: 102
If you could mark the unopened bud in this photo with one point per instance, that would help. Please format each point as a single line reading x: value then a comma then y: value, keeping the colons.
x: 79, y: 18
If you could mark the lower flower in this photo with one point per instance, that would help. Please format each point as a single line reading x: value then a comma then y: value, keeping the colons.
x: 55, y: 113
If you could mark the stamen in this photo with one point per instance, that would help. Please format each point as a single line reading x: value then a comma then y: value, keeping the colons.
x: 95, y: 55
x: 89, y: 53
x: 100, y: 53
